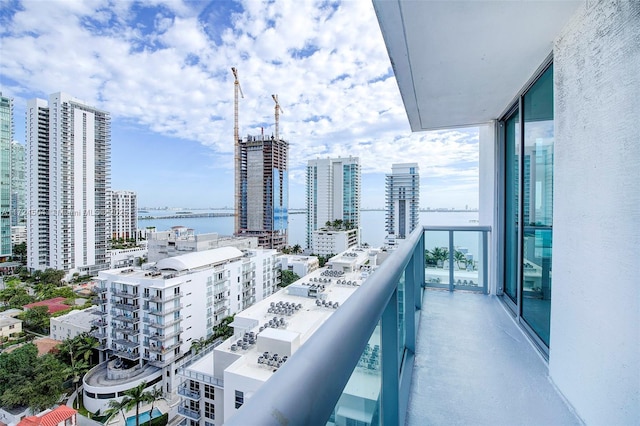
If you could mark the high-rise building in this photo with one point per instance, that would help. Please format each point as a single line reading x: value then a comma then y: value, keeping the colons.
x: 123, y: 215
x: 402, y: 200
x: 6, y: 136
x: 68, y: 173
x: 333, y: 193
x: 18, y: 184
x: 264, y: 188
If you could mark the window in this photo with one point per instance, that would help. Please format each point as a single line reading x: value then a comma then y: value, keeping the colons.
x: 239, y: 399
x: 209, y: 410
x: 209, y: 392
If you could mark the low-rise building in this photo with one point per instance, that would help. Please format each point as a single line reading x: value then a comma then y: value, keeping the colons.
x: 327, y: 241
x: 299, y: 265
x: 215, y: 383
x: 148, y: 318
x: 180, y: 240
x: 9, y: 326
x: 72, y: 324
x: 59, y: 416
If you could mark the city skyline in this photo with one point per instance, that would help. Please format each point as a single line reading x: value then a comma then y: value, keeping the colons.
x: 164, y: 74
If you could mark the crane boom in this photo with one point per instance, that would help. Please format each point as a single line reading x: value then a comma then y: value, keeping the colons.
x: 278, y: 110
x: 237, y: 90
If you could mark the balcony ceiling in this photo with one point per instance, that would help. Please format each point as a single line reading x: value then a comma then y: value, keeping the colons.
x: 461, y: 63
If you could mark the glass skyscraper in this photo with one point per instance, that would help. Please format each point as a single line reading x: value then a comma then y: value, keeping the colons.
x: 6, y: 136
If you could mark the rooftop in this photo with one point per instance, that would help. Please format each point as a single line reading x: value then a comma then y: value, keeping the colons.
x: 50, y: 418
x: 55, y: 305
x: 78, y: 317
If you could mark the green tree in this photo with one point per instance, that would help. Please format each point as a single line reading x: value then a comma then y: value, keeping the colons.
x: 37, y: 319
x: 29, y: 380
x: 152, y: 396
x: 20, y: 251
x: 198, y: 344
x: 459, y: 258
x: 136, y: 396
x: 76, y: 371
x: 287, y: 277
x: 223, y: 329
x: 52, y: 276
x: 296, y: 249
x: 116, y: 407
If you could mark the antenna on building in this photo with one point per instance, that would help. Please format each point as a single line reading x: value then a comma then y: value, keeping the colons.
x: 278, y: 110
x: 236, y: 144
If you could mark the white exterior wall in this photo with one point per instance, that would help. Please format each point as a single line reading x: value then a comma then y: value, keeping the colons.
x: 332, y: 242
x: 70, y: 325
x: 595, y: 310
x: 37, y: 242
x: 124, y: 214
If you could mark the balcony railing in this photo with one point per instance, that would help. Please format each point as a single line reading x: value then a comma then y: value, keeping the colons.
x: 187, y: 412
x: 354, y: 349
x: 165, y: 310
x: 188, y: 393
x: 130, y: 355
x: 165, y: 298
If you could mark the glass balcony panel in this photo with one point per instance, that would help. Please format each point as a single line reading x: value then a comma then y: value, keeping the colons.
x: 359, y: 403
x: 467, y: 260
x: 437, y: 258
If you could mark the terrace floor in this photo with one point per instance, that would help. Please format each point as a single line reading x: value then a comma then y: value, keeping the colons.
x: 475, y: 366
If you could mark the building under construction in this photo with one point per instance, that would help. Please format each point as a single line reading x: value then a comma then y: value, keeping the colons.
x: 261, y: 181
x: 264, y: 188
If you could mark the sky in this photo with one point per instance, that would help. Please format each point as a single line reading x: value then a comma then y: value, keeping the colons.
x: 162, y: 69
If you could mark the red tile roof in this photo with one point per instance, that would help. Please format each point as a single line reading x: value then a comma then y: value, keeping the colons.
x: 52, y: 418
x: 55, y: 305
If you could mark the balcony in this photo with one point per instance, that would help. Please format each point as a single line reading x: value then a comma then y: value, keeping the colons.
x: 166, y: 298
x: 127, y: 354
x: 126, y: 306
x: 165, y: 310
x: 188, y: 393
x: 164, y: 348
x: 124, y: 293
x: 414, y: 356
x: 189, y: 413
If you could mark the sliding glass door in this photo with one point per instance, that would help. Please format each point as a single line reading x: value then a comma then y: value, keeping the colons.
x: 528, y: 188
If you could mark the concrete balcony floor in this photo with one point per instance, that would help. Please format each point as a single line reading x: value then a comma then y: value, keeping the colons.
x: 475, y: 366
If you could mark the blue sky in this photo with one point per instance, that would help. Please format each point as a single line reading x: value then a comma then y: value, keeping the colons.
x: 162, y: 69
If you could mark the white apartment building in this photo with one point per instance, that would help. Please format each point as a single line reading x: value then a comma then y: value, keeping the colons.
x: 333, y: 193
x: 148, y: 318
x: 123, y: 215
x: 299, y: 265
x: 18, y: 234
x: 72, y: 324
x: 180, y: 240
x: 402, y: 199
x: 215, y: 383
x: 68, y: 167
x: 327, y: 241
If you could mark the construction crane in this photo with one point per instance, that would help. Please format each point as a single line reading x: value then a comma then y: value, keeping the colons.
x: 278, y: 110
x: 237, y: 90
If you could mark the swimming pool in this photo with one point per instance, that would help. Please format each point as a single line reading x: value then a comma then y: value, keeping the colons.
x: 144, y: 417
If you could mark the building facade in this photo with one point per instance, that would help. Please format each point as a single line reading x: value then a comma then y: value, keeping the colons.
x: 148, y: 319
x: 402, y: 199
x: 18, y: 185
x: 71, y: 325
x: 215, y: 384
x: 299, y: 265
x: 123, y: 215
x: 264, y: 190
x: 333, y: 193
x: 6, y: 137
x: 327, y: 241
x: 68, y: 174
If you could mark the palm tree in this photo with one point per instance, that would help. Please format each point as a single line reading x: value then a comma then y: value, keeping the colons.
x: 114, y: 407
x: 77, y: 370
x: 135, y: 397
x: 152, y: 396
x: 440, y: 254
x: 296, y: 249
x: 459, y: 257
x: 198, y: 344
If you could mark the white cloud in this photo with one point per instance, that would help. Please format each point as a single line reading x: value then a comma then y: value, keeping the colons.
x: 327, y: 64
